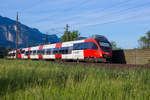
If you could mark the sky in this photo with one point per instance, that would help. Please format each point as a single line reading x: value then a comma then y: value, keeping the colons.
x: 122, y: 21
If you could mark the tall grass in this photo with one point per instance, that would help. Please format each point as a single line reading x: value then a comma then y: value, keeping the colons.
x: 43, y: 80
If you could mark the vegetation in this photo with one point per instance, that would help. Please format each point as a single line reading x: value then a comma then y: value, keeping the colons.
x: 144, y: 41
x: 114, y: 46
x: 4, y: 51
x: 69, y: 36
x: 43, y: 80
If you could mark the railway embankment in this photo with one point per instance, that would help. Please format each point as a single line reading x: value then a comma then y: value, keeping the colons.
x: 134, y: 56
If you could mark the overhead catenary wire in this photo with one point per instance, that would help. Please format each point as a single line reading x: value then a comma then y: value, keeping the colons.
x: 69, y: 9
x: 119, y: 13
x: 124, y: 11
x: 113, y: 21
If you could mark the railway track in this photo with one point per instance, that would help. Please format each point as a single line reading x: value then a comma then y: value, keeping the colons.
x: 105, y: 65
x: 100, y: 65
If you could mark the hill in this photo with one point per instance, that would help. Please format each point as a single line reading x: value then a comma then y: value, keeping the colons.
x: 27, y: 36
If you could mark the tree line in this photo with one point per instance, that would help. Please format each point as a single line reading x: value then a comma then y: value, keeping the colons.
x: 70, y: 36
x: 4, y: 51
x: 144, y: 41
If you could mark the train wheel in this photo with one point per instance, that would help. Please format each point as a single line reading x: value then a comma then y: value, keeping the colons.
x: 95, y: 60
x: 78, y: 61
x: 57, y: 60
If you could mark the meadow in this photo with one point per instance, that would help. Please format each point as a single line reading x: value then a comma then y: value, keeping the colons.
x: 45, y: 80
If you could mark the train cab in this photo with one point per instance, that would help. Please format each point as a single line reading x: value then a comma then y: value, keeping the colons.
x: 104, y: 45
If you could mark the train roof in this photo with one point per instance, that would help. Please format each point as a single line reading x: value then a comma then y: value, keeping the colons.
x: 75, y: 40
x: 92, y: 37
x: 98, y: 36
x: 79, y: 38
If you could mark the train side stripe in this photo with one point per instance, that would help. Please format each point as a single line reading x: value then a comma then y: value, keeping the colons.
x: 40, y: 56
x: 58, y: 45
x: 41, y: 47
x: 29, y: 49
x: 58, y: 56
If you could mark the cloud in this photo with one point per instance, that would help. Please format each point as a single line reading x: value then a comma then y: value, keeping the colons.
x: 55, y: 12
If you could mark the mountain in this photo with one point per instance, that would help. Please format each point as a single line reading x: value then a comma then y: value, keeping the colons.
x: 26, y: 36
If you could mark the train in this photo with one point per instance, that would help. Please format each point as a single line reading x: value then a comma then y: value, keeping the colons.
x: 97, y: 49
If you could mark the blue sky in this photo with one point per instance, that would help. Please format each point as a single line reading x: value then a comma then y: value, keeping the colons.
x: 123, y: 21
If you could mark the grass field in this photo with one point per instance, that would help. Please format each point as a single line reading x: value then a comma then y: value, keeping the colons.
x: 43, y: 80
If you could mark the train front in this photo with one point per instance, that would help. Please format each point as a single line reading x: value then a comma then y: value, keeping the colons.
x: 105, y: 46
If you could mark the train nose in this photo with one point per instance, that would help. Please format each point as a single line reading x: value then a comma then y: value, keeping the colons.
x: 109, y: 55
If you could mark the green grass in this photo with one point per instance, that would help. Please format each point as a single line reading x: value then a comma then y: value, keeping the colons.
x: 43, y: 80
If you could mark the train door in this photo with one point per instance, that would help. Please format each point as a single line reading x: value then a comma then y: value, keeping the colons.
x: 23, y: 53
x: 66, y: 52
x: 78, y: 51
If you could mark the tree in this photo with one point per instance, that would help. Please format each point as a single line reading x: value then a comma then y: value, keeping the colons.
x: 144, y: 41
x: 4, y: 51
x: 114, y: 46
x: 69, y: 36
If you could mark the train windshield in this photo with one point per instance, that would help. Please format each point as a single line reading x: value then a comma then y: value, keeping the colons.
x: 104, y: 45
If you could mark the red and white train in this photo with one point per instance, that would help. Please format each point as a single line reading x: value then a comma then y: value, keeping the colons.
x: 97, y: 48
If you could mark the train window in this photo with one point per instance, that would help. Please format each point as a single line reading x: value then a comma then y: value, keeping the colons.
x: 48, y: 51
x: 103, y: 42
x: 81, y: 46
x: 55, y: 50
x: 22, y: 51
x: 14, y: 54
x: 93, y: 46
x: 65, y: 50
x: 104, y: 45
x: 42, y: 52
x: 34, y: 52
x: 85, y: 46
x: 76, y: 46
x: 30, y: 52
x: 27, y: 53
x: 38, y: 52
x: 60, y: 50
